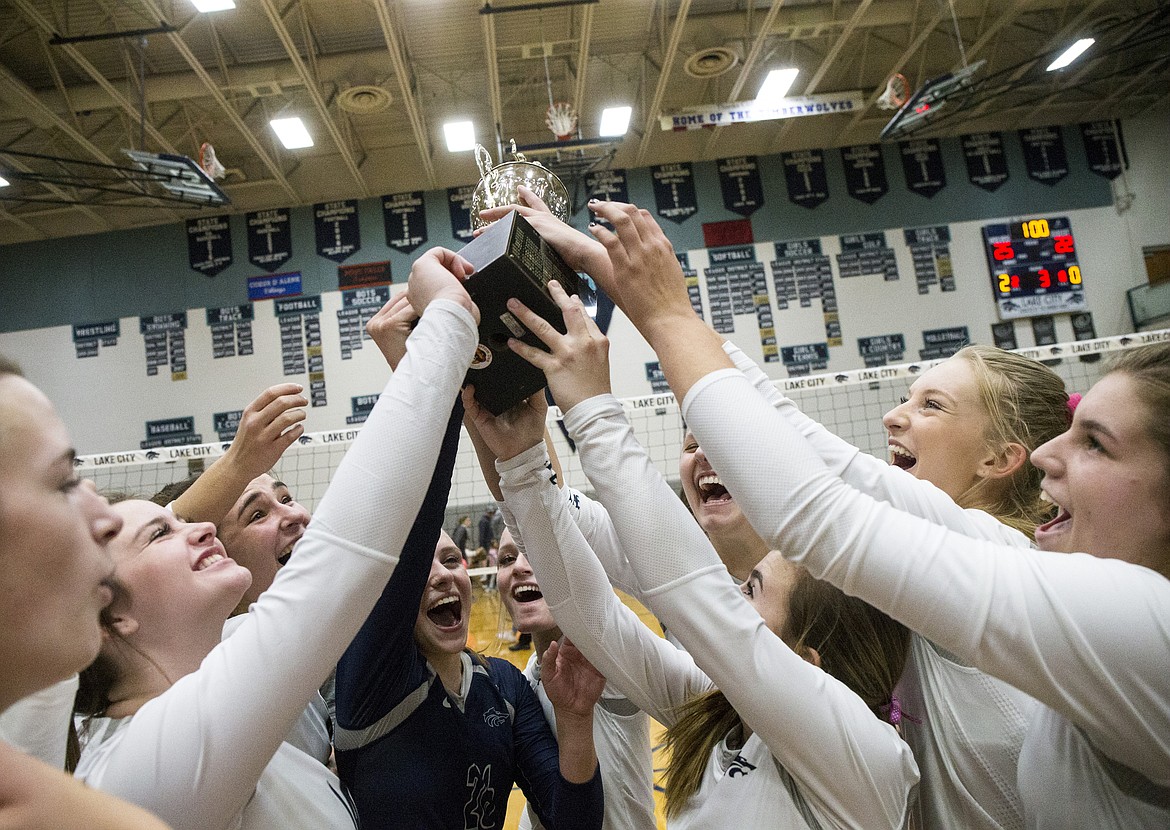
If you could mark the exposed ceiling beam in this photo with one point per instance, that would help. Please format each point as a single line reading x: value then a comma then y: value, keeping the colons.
x: 1056, y: 40
x: 586, y: 38
x: 911, y: 50
x: 651, y: 123
x: 488, y: 25
x: 825, y: 65
x: 16, y: 164
x: 749, y: 66
x: 213, y: 89
x: 313, y: 87
x: 406, y: 89
x: 34, y: 16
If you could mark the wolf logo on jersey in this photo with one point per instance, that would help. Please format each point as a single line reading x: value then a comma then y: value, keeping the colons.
x: 739, y: 766
x: 492, y: 717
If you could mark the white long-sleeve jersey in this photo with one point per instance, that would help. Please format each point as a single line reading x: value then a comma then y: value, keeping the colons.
x: 966, y: 727
x: 847, y: 768
x: 209, y: 753
x: 1086, y: 636
x: 621, y: 736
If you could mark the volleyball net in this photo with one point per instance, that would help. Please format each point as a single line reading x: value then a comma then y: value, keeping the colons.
x: 850, y: 404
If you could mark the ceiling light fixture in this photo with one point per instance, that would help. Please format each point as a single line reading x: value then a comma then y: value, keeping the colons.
x: 1071, y: 54
x: 460, y: 136
x: 213, y: 5
x: 615, y: 121
x: 291, y: 132
x: 775, y: 87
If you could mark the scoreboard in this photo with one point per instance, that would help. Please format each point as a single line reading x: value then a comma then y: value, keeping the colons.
x: 1034, y: 268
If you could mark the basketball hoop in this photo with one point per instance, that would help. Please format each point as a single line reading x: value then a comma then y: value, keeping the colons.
x: 897, y: 91
x: 561, y: 118
x: 210, y: 163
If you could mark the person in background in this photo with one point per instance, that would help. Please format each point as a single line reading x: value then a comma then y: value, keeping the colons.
x: 461, y: 534
x: 486, y: 537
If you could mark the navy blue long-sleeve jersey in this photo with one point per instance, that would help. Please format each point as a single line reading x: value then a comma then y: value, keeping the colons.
x: 409, y: 755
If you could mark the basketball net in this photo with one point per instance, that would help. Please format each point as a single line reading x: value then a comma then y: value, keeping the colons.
x: 561, y: 118
x: 897, y: 91
x: 210, y: 163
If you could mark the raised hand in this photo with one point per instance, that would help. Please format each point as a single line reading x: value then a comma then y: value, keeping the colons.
x: 579, y: 251
x: 574, y: 686
x: 268, y: 426
x: 510, y: 433
x: 577, y: 362
x: 647, y: 281
x: 390, y: 327
x: 440, y: 273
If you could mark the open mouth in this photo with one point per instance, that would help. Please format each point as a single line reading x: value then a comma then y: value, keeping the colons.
x: 711, y: 489
x: 1062, y: 514
x: 526, y: 593
x: 901, y: 458
x: 208, y: 559
x: 446, y: 613
x: 285, y: 555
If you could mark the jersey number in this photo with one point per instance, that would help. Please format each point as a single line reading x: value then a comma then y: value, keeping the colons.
x: 479, y: 809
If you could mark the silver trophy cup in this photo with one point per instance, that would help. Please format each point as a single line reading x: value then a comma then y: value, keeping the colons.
x: 498, y: 183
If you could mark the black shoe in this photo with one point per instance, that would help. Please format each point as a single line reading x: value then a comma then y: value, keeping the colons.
x: 523, y: 644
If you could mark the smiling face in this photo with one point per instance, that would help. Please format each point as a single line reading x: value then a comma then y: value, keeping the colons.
x: 713, y: 507
x: 938, y: 432
x: 176, y: 574
x: 1110, y: 480
x: 445, y: 609
x: 519, y: 590
x: 54, y: 562
x: 260, y: 530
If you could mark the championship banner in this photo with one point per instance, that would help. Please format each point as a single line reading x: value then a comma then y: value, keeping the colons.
x: 269, y: 238
x: 739, y: 179
x: 209, y: 244
x: 674, y: 191
x: 607, y: 185
x: 804, y: 174
x: 337, y: 230
x: 1044, y: 154
x: 459, y: 206
x: 404, y: 216
x: 922, y: 162
x: 1104, y: 147
x: 865, y: 172
x: 986, y: 163
x: 745, y: 112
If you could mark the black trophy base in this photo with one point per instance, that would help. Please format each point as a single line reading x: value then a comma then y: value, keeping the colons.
x: 511, y: 260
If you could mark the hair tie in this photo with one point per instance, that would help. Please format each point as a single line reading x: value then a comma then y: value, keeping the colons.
x: 1074, y: 401
x: 893, y: 713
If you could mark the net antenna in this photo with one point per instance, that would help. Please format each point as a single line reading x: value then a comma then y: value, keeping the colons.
x: 897, y: 91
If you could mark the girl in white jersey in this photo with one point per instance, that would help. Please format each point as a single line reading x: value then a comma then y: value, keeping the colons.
x: 743, y: 760
x: 193, y: 727
x: 1087, y: 635
x: 964, y: 432
x: 55, y: 577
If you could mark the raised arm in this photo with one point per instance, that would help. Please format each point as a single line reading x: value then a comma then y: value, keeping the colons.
x: 862, y: 471
x: 1024, y: 616
x: 202, y: 745
x: 268, y: 426
x: 648, y: 670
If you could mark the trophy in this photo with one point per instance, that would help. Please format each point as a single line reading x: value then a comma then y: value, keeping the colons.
x: 498, y: 183
x: 511, y: 260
